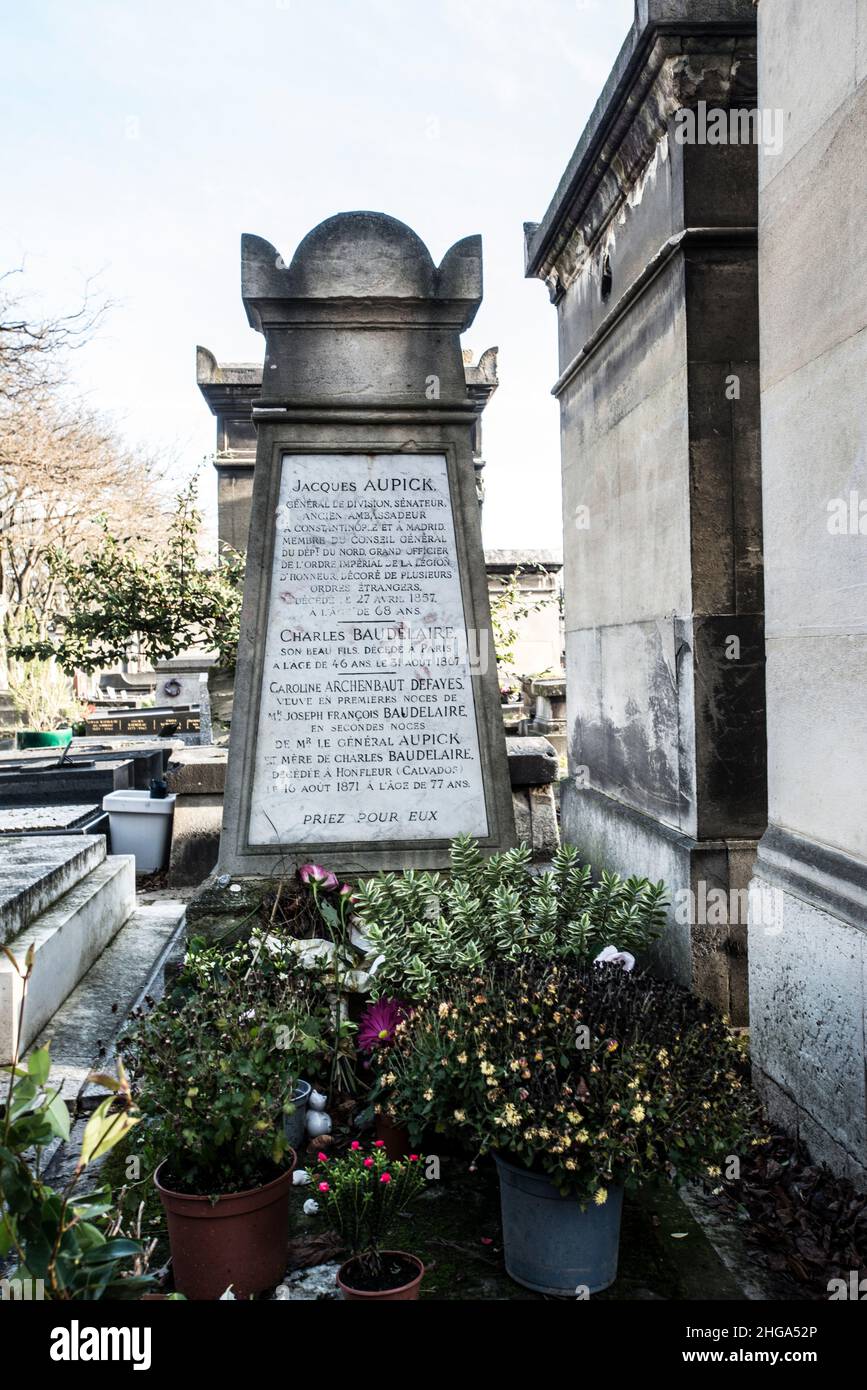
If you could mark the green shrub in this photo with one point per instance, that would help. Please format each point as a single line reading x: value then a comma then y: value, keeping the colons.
x: 423, y: 927
x: 215, y: 1064
x: 587, y: 1073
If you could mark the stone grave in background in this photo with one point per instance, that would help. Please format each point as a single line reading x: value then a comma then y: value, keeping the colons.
x: 367, y: 728
x: 164, y: 722
x: 60, y: 791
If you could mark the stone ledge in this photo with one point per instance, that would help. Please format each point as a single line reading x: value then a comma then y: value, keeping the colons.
x: 36, y: 871
x: 532, y: 761
x: 826, y: 878
x: 198, y: 771
x: 66, y: 940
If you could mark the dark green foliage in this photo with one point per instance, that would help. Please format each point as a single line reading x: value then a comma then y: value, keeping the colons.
x: 590, y: 1074
x: 216, y: 1062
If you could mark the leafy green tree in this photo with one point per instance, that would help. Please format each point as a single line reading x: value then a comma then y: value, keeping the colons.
x: 120, y: 602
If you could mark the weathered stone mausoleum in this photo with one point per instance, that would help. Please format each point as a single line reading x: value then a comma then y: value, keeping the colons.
x: 649, y: 253
x: 713, y: 454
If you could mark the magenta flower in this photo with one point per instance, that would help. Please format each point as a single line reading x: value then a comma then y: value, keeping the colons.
x: 323, y: 1158
x: 368, y: 1163
x: 386, y: 1177
x: 355, y: 1144
x: 315, y: 874
x: 324, y: 1187
x: 378, y: 1024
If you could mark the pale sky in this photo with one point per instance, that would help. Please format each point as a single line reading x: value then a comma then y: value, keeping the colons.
x: 142, y: 139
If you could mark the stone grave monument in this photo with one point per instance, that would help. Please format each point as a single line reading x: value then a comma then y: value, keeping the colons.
x: 367, y: 729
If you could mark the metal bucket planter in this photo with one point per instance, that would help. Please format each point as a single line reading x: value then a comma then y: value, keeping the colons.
x: 295, y: 1125
x: 550, y: 1245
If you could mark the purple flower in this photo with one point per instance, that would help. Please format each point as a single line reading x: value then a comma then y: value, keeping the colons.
x: 314, y: 873
x: 378, y: 1023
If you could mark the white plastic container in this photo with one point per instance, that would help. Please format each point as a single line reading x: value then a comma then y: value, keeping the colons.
x: 141, y: 824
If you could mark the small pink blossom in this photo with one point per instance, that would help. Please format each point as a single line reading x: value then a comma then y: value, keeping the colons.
x: 324, y: 1187
x: 355, y: 1144
x: 323, y: 1158
x: 379, y: 1143
x: 314, y: 873
x: 386, y: 1177
x: 413, y: 1158
x: 368, y: 1163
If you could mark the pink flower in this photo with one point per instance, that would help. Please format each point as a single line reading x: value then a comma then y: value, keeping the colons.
x: 379, y: 1143
x: 379, y: 1022
x: 486, y: 1240
x: 413, y: 1158
x: 386, y: 1177
x: 346, y: 891
x: 314, y: 873
x: 324, y: 1187
x: 323, y: 1158
x: 368, y: 1163
x: 355, y: 1144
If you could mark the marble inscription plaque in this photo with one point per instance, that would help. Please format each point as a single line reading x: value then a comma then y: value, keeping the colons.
x: 367, y: 724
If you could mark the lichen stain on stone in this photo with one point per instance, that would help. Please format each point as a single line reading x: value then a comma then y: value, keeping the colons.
x: 632, y: 753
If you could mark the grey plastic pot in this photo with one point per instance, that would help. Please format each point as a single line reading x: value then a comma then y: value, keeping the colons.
x: 295, y: 1125
x: 549, y: 1244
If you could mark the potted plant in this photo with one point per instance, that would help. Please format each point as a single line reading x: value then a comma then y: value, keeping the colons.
x: 214, y: 1080
x: 582, y: 1080
x: 362, y: 1196
x: 333, y: 956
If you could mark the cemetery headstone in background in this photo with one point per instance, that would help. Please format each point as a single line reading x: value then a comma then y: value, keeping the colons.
x: 367, y: 728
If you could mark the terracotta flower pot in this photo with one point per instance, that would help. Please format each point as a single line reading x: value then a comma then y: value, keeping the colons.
x: 240, y: 1239
x: 408, y: 1291
x: 394, y: 1137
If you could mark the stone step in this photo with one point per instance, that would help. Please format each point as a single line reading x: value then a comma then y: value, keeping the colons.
x: 35, y: 872
x: 67, y: 939
x: 82, y: 1034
